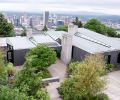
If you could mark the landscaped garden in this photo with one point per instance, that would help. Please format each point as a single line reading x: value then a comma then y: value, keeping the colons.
x: 27, y: 83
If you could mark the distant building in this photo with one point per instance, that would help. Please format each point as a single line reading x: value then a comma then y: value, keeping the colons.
x: 35, y: 21
x: 16, y: 21
x: 60, y: 22
x: 45, y: 18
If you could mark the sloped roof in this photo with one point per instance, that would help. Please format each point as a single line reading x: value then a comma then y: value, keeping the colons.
x: 90, y: 41
x: 26, y: 43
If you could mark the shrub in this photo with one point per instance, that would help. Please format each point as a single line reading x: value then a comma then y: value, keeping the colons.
x: 72, y: 67
x: 7, y: 93
x: 101, y: 96
x: 109, y: 67
x: 3, y: 73
x: 41, y: 57
x: 10, y: 69
x: 86, y: 81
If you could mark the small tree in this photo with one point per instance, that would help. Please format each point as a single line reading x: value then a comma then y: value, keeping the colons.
x: 86, y: 82
x: 29, y: 82
x: 24, y: 31
x: 45, y: 28
x: 6, y: 29
x: 97, y: 26
x: 77, y: 22
x: 41, y: 57
x: 62, y: 28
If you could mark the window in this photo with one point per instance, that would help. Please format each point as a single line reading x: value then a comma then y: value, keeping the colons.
x: 109, y: 59
x: 118, y: 59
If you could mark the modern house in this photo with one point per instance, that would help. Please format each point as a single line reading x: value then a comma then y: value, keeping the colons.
x: 87, y: 42
x: 19, y: 46
x: 72, y: 45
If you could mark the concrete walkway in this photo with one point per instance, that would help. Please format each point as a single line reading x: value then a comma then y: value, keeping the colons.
x: 57, y: 70
x: 113, y: 89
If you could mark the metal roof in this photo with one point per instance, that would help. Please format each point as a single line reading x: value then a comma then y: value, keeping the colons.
x: 3, y: 42
x: 26, y: 43
x: 90, y: 41
x: 20, y: 43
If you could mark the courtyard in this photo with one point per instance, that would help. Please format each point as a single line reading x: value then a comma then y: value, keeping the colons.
x: 59, y: 70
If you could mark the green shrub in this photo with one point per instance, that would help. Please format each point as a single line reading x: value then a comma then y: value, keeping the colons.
x: 85, y: 82
x: 41, y: 57
x: 109, y: 67
x: 7, y: 93
x: 101, y: 96
x: 72, y: 67
x: 41, y: 95
x: 10, y: 69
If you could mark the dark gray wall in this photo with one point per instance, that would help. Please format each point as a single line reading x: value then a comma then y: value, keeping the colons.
x: 78, y: 54
x: 114, y: 56
x: 19, y: 56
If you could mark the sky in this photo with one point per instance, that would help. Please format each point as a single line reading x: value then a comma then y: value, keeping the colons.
x: 99, y: 6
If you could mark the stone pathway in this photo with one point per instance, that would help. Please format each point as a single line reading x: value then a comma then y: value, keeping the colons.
x: 57, y: 70
x: 113, y: 89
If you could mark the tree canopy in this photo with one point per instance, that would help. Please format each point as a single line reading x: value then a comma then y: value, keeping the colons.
x: 62, y: 28
x: 27, y: 83
x: 45, y: 28
x: 24, y: 33
x: 97, y: 26
x: 41, y: 57
x: 86, y: 82
x: 6, y: 29
x: 77, y: 22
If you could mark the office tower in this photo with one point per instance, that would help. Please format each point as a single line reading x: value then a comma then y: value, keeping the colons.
x: 46, y: 18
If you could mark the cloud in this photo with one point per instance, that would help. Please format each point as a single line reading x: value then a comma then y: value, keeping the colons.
x: 102, y: 6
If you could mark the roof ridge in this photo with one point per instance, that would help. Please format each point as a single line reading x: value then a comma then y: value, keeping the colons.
x: 91, y: 39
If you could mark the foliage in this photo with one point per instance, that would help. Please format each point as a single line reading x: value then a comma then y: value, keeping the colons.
x: 24, y: 31
x: 86, y: 81
x: 30, y: 83
x: 97, y: 26
x: 45, y: 28
x: 6, y: 29
x: 2, y: 69
x: 77, y: 22
x: 41, y: 57
x: 10, y: 69
x: 41, y: 95
x: 109, y: 67
x: 45, y: 73
x: 101, y: 96
x: 62, y: 28
x: 72, y: 67
x: 7, y: 93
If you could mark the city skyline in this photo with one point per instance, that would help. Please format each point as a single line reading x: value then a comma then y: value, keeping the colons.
x: 106, y: 6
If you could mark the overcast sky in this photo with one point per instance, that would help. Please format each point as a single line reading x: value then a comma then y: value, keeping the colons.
x: 99, y: 6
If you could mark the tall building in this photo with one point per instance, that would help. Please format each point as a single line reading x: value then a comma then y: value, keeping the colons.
x: 46, y: 18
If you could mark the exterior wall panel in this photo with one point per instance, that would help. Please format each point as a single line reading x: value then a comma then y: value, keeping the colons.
x: 19, y: 56
x: 78, y: 54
